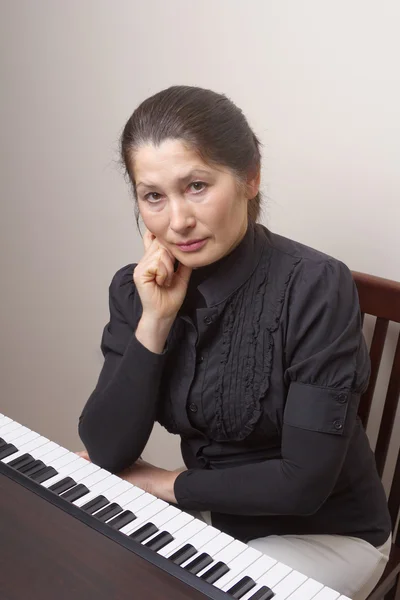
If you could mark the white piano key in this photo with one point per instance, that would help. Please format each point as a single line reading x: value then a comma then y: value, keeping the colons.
x: 342, y: 597
x: 68, y: 458
x: 97, y: 476
x: 11, y: 436
x: 3, y: 418
x: 165, y: 516
x: 50, y: 457
x: 238, y: 565
x: 177, y: 526
x: 307, y: 590
x: 45, y: 449
x: 117, y: 489
x: 6, y: 422
x: 86, y: 470
x: 129, y: 495
x: 64, y: 465
x: 28, y: 437
x: 204, y: 536
x: 26, y: 448
x: 144, y: 515
x: 221, y: 541
x: 256, y: 570
x: 12, y: 426
x: 140, y: 502
x: 101, y: 487
x: 230, y: 552
x: 327, y: 593
x: 288, y: 585
x: 182, y: 534
x: 272, y: 577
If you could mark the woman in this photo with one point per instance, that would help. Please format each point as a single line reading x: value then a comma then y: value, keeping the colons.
x: 246, y: 344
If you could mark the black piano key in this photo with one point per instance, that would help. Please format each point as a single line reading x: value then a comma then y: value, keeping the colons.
x: 24, y: 459
x: 183, y: 554
x: 2, y: 442
x: 44, y: 474
x: 95, y: 504
x: 75, y: 493
x: 7, y: 450
x: 108, y: 512
x: 63, y: 485
x: 122, y: 519
x: 264, y: 593
x: 158, y: 542
x: 241, y: 587
x: 144, y: 532
x: 199, y: 563
x: 33, y: 468
x: 213, y: 574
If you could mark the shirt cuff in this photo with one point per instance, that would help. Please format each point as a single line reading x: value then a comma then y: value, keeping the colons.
x: 145, y: 352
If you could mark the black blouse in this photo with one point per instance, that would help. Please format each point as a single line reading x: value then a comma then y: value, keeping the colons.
x: 261, y: 377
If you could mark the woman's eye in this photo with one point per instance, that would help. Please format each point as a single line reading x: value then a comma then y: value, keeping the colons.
x: 151, y: 197
x: 198, y: 186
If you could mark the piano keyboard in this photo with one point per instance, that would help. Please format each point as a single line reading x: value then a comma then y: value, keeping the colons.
x: 200, y: 549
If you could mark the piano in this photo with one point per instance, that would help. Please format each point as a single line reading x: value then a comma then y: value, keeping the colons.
x: 74, y: 530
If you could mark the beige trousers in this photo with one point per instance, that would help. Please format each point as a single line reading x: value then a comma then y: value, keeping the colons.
x: 349, y: 565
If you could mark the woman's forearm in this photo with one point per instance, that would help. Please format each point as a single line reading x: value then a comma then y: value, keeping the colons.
x: 118, y: 418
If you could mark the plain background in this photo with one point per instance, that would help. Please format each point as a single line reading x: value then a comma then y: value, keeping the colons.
x: 320, y: 84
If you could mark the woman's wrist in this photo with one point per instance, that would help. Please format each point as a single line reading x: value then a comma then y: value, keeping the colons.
x: 153, y: 332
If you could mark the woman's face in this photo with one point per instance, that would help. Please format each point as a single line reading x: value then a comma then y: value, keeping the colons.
x: 183, y: 200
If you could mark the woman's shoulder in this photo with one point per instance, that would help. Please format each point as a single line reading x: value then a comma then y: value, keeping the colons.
x: 308, y: 262
x: 122, y: 290
x: 294, y: 248
x: 123, y: 278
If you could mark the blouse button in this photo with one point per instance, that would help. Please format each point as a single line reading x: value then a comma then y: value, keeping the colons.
x: 207, y: 320
x: 342, y: 398
x: 199, y: 359
x: 193, y: 407
x: 338, y: 425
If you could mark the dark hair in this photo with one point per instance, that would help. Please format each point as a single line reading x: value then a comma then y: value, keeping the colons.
x: 207, y: 122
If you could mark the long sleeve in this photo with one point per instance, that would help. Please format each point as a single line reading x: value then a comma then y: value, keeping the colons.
x: 326, y: 370
x: 119, y: 415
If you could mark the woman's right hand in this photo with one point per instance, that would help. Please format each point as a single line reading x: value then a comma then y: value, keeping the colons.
x: 161, y: 291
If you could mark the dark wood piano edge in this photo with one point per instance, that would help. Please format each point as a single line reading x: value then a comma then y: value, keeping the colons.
x: 159, y: 561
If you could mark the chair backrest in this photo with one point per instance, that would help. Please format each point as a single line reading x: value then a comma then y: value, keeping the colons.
x: 381, y: 298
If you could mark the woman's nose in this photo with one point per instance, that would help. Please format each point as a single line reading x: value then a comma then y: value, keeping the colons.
x: 181, y: 219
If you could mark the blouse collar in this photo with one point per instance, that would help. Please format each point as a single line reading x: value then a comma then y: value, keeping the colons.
x: 218, y: 281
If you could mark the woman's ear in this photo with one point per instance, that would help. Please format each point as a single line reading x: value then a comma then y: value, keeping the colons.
x: 253, y: 184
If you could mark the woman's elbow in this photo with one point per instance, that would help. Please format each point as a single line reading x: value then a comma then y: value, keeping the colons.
x: 307, y: 500
x: 105, y: 454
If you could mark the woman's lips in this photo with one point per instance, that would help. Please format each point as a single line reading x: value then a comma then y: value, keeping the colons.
x: 192, y: 247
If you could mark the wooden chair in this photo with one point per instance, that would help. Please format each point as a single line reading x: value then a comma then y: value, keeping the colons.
x: 381, y: 298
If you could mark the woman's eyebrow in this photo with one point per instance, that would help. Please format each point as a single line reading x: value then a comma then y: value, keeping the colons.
x: 192, y: 173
